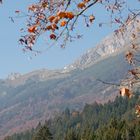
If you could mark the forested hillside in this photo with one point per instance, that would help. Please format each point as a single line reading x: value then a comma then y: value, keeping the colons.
x: 111, y: 121
x: 23, y: 106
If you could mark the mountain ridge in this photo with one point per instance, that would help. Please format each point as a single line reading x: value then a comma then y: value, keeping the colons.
x: 110, y: 45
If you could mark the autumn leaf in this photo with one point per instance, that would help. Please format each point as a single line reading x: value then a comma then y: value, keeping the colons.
x: 32, y: 29
x: 91, y: 18
x: 133, y: 36
x: 54, y: 26
x: 49, y: 27
x: 53, y: 36
x: 56, y: 20
x: 125, y: 92
x: 51, y: 18
x: 70, y: 15
x: 63, y: 23
x: 61, y: 14
x: 81, y: 5
x: 17, y: 11
x: 45, y: 5
x: 129, y: 57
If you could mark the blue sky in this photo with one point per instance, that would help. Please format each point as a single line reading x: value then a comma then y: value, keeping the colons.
x: 12, y: 59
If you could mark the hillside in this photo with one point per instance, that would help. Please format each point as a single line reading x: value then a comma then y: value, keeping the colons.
x: 113, y: 120
x: 23, y: 106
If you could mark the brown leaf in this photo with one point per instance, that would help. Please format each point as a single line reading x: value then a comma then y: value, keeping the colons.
x: 81, y: 5
x: 53, y: 36
x: 51, y: 18
x: 129, y: 57
x: 63, y: 23
x: 125, y: 92
x: 69, y: 15
x: 91, y: 18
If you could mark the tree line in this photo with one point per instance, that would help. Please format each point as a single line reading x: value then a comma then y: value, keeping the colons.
x: 112, y: 121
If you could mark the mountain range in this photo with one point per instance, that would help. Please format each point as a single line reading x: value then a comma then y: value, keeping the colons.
x: 36, y: 96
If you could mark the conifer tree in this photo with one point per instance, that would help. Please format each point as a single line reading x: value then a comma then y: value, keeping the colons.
x: 43, y: 134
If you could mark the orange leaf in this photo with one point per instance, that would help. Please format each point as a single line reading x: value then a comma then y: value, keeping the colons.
x: 61, y: 14
x: 32, y: 29
x: 86, y: 1
x: 70, y: 15
x: 81, y: 5
x: 51, y: 18
x: 125, y: 92
x: 63, y: 23
x: 56, y: 20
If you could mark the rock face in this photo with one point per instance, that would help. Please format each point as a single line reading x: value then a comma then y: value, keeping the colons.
x: 13, y: 76
x: 105, y: 48
x: 110, y: 45
x: 27, y: 99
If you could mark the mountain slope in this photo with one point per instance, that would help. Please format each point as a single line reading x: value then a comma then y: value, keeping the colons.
x: 91, y: 120
x: 23, y: 106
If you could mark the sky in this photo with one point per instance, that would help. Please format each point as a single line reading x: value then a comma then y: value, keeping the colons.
x: 12, y: 58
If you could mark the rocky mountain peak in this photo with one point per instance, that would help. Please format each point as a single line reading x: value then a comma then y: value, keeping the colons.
x: 110, y: 45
